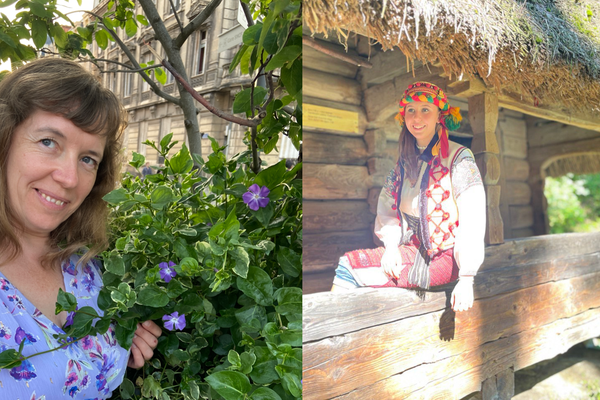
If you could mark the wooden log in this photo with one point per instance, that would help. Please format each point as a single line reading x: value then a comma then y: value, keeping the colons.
x: 380, y: 166
x: 467, y: 88
x: 516, y: 169
x: 332, y: 182
x: 373, y: 199
x: 330, y: 87
x: 546, y: 133
x: 541, y: 155
x: 376, y: 141
x: 317, y: 282
x: 362, y: 117
x: 539, y: 203
x: 365, y: 357
x: 489, y: 167
x: 317, y: 60
x: 494, y: 231
x: 386, y: 66
x: 519, y: 193
x: 574, y: 116
x: 515, y: 127
x: 322, y: 148
x: 335, y: 216
x: 516, y: 264
x: 391, y: 150
x: 521, y: 217
x: 483, y: 115
x: 514, y: 147
x: 432, y: 381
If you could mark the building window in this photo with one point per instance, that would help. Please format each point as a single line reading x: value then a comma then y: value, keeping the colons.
x: 127, y: 78
x: 145, y: 60
x: 199, y: 52
x: 176, y: 3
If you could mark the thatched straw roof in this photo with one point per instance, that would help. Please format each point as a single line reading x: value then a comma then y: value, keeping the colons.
x: 548, y: 50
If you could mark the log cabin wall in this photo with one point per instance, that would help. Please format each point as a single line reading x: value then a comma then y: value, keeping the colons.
x: 335, y: 168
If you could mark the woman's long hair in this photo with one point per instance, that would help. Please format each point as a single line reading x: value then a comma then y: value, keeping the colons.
x: 64, y: 88
x: 407, y: 150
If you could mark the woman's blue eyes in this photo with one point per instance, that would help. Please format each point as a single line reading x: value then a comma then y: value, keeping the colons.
x: 50, y: 143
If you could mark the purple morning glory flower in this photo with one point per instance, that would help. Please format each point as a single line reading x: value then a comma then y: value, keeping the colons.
x: 174, y: 321
x: 166, y: 272
x: 256, y: 197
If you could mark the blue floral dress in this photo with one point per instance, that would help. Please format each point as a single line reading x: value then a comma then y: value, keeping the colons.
x: 90, y: 368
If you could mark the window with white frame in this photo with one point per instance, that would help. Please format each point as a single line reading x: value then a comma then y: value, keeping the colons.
x: 127, y: 80
x: 199, y: 52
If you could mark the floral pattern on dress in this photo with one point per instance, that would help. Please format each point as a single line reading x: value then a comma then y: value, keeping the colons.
x: 85, y: 369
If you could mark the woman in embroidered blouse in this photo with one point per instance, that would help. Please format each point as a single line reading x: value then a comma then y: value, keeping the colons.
x: 59, y: 154
x: 431, y: 211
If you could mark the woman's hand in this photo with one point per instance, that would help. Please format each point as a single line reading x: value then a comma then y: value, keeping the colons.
x: 391, y: 262
x: 144, y: 343
x: 462, y: 295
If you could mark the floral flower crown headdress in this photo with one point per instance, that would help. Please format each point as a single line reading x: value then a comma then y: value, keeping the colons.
x: 450, y: 116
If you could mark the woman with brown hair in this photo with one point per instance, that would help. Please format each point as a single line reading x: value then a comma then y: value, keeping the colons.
x: 60, y: 133
x: 431, y: 211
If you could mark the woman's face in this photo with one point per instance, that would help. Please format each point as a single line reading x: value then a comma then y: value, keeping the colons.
x: 51, y: 168
x: 421, y: 119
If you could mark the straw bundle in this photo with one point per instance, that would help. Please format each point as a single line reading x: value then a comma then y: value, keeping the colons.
x: 548, y: 50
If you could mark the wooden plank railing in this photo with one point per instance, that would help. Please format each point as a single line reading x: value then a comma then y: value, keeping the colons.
x: 535, y: 298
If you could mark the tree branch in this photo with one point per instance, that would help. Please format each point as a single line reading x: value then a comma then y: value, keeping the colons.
x: 176, y: 16
x: 247, y: 13
x: 195, y: 23
x: 228, y: 117
x: 134, y: 62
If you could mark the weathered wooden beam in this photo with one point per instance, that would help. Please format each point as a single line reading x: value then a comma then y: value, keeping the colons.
x: 333, y: 182
x: 521, y: 217
x: 500, y: 386
x: 515, y: 264
x: 519, y: 193
x: 571, y: 116
x: 321, y: 251
x: 317, y: 60
x: 540, y: 155
x: 467, y: 88
x: 340, y: 365
x: 335, y: 53
x: 516, y: 169
x: 335, y: 216
x: 545, y: 133
x: 376, y: 140
x: 330, y: 87
x: 322, y: 148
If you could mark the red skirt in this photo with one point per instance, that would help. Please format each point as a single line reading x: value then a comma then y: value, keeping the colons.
x: 365, y: 266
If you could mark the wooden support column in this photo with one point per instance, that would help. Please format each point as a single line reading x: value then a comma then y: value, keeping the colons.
x: 541, y: 225
x: 483, y: 115
x: 499, y: 387
x: 379, y: 164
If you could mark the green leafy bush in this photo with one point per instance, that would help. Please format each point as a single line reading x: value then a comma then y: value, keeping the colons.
x: 238, y: 278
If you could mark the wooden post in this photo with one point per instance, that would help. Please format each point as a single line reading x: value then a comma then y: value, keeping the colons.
x: 541, y: 225
x: 499, y: 387
x: 483, y: 115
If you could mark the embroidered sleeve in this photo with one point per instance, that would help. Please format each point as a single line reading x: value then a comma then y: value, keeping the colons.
x: 387, y: 225
x: 465, y: 173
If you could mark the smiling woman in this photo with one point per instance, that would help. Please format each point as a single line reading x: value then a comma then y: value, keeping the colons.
x: 59, y: 155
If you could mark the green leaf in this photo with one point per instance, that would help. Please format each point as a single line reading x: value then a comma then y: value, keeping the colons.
x: 242, y: 261
x: 142, y: 19
x: 102, y: 39
x: 39, y: 10
x: 116, y: 197
x: 10, y: 358
x: 59, y: 34
x: 181, y: 163
x: 289, y: 261
x: 252, y: 34
x: 160, y: 75
x: 289, y: 300
x: 257, y: 286
x: 153, y: 297
x: 242, y: 99
x: 234, y: 358
x: 138, y: 160
x: 164, y: 142
x: 264, y: 393
x: 263, y: 370
x: 230, y: 384
x: 251, y: 318
x: 238, y: 57
x: 270, y: 43
x: 7, y: 39
x: 85, y: 33
x: 228, y: 229
x: 150, y: 387
x: 245, y: 60
x: 39, y: 32
x: 189, y: 266
x: 284, y: 56
x: 248, y: 360
x: 292, y: 77
x: 65, y: 302
x: 109, y: 23
x: 264, y: 215
x: 127, y: 389
x: 115, y: 265
x: 271, y: 177
x: 290, y: 380
x: 161, y: 196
